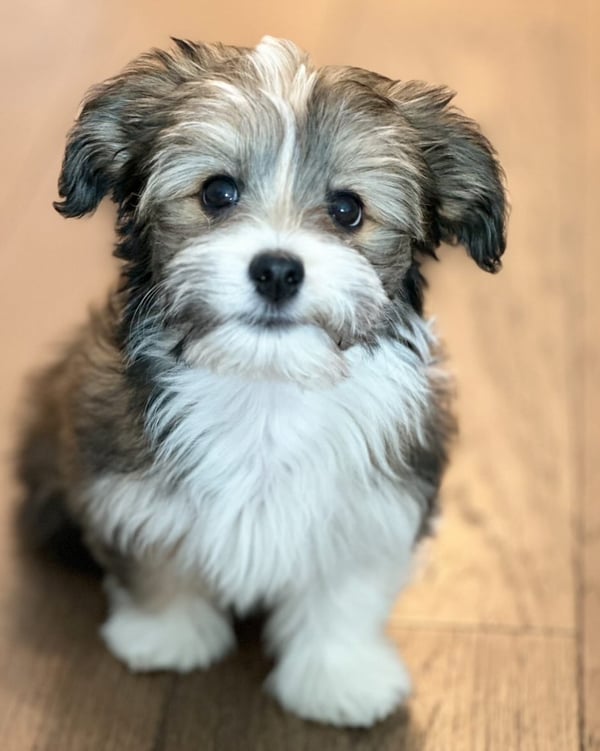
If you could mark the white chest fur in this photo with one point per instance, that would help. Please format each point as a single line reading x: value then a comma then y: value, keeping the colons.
x: 272, y: 481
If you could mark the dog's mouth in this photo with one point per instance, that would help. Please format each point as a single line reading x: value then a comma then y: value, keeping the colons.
x: 271, y: 320
x: 278, y: 321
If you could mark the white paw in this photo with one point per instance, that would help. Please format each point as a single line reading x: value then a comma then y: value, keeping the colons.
x: 190, y: 634
x: 341, y: 685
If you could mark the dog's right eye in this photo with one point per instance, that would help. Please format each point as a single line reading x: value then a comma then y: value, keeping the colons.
x: 219, y: 192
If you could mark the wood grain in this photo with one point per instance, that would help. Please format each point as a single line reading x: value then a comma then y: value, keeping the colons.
x: 502, y: 628
x: 587, y: 383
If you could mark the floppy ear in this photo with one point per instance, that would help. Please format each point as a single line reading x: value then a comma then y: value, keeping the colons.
x: 107, y: 146
x: 467, y: 183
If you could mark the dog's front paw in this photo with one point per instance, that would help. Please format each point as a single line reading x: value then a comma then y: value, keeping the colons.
x: 188, y: 635
x: 349, y: 686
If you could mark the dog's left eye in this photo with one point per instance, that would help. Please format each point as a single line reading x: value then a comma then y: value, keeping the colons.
x: 346, y: 209
x: 220, y: 192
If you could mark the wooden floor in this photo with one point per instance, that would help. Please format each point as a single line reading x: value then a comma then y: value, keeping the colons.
x: 502, y: 627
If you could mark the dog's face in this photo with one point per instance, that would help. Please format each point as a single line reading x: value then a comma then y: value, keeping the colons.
x: 272, y: 213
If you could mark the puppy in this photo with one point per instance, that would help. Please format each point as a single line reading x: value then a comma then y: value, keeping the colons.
x: 257, y: 418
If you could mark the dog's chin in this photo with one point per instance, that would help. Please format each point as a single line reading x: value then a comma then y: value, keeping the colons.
x: 271, y: 350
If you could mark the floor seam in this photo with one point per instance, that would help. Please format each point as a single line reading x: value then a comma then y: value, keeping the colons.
x: 487, y: 628
x: 161, y: 730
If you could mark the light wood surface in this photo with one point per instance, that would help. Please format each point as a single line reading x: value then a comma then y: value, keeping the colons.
x: 586, y: 398
x: 502, y: 626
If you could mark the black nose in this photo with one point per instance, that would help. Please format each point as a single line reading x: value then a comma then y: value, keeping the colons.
x: 277, y: 276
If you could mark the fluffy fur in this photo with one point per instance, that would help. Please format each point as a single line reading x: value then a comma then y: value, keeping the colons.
x: 221, y: 452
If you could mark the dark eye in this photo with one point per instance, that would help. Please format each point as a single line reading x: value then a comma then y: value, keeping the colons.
x: 346, y: 209
x: 220, y: 192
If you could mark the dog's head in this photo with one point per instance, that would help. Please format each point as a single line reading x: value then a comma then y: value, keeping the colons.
x: 272, y: 214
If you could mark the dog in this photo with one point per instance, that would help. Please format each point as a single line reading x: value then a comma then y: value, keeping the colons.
x: 258, y: 418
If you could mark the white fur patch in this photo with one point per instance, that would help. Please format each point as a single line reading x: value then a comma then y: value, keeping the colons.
x: 305, y: 356
x: 278, y: 484
x: 187, y: 634
x: 349, y: 684
x: 284, y: 70
x: 335, y: 664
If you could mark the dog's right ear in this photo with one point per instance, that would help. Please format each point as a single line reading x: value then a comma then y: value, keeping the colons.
x: 94, y: 155
x: 110, y: 140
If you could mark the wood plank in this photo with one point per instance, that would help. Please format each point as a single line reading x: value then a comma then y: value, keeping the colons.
x: 588, y: 379
x: 492, y: 691
x: 59, y: 688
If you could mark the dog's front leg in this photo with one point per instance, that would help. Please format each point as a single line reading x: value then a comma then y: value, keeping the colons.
x: 335, y: 663
x: 159, y: 622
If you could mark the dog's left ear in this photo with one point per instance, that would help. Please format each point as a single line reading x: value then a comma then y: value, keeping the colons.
x: 467, y: 183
